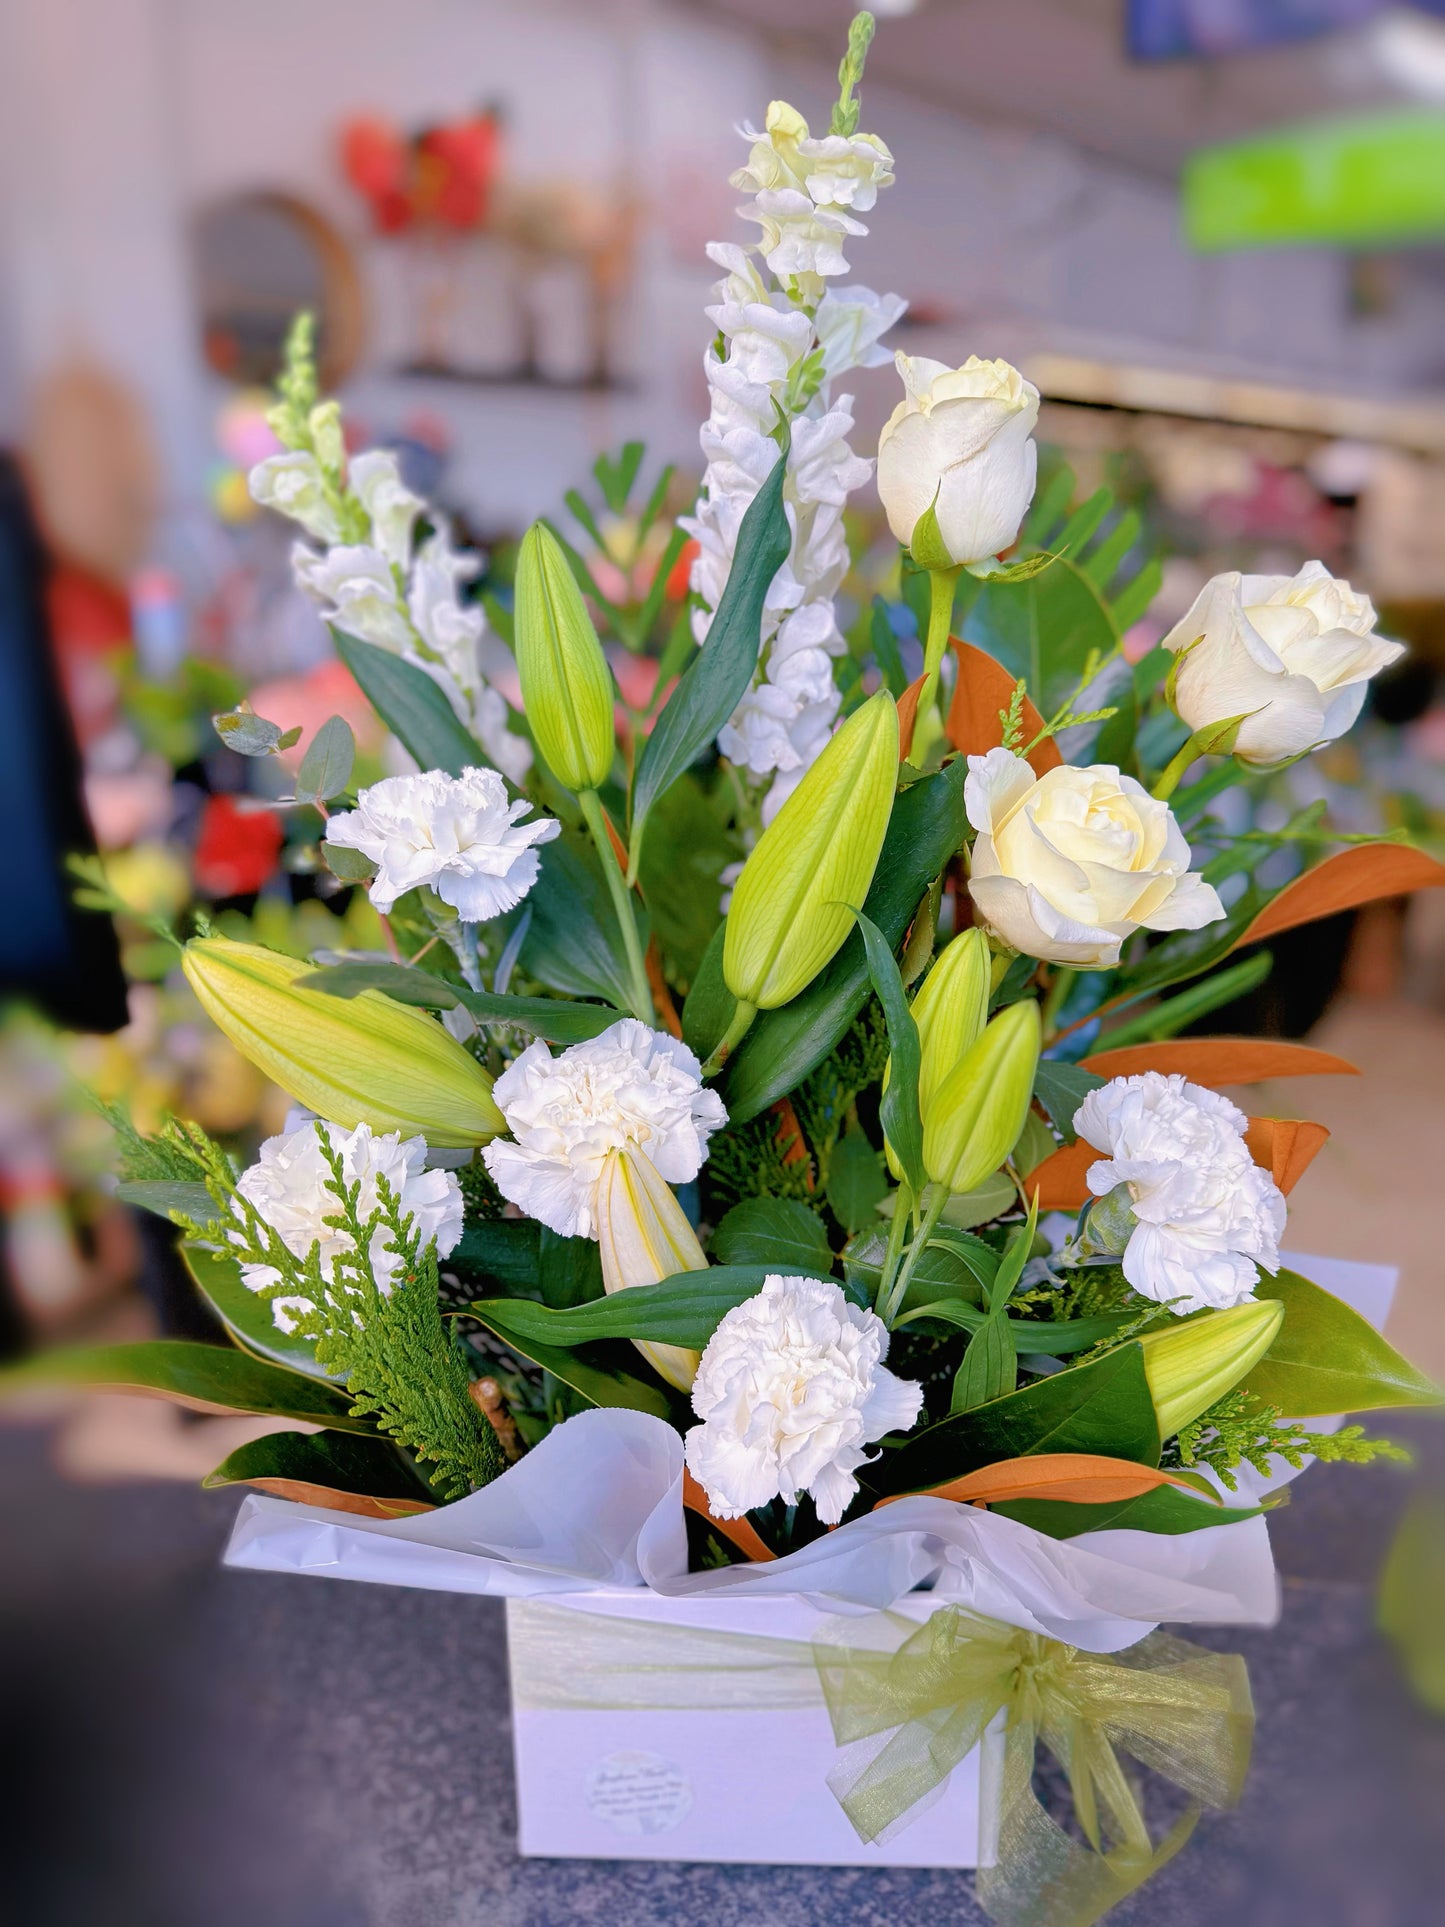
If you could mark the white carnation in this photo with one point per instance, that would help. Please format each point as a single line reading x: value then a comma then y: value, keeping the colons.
x: 288, y: 1185
x: 631, y: 1086
x: 1206, y: 1217
x: 456, y: 834
x: 791, y: 1391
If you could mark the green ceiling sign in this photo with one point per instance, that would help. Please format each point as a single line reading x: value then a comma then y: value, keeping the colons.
x: 1358, y: 182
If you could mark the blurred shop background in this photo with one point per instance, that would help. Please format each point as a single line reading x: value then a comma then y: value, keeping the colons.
x: 1212, y: 231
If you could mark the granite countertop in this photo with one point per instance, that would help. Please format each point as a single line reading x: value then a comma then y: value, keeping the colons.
x: 190, y: 1747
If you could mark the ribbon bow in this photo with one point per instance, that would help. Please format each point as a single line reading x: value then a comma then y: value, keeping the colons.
x: 961, y: 1679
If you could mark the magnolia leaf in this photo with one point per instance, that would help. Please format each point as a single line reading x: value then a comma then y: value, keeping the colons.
x: 165, y: 1195
x: 981, y: 696
x: 949, y: 1273
x: 1217, y: 1061
x: 1044, y: 630
x: 1061, y: 1089
x: 1167, y: 1509
x: 597, y: 1372
x: 1328, y: 1359
x: 718, y: 677
x: 574, y: 944
x: 1076, y: 1478
x: 205, y: 1378
x: 246, y: 1315
x: 411, y: 705
x: 1101, y: 1407
x: 1359, y: 875
x: 326, y: 767
x: 503, y: 1252
x: 334, y: 1470
x: 761, y: 1230
x: 1285, y: 1147
x: 683, y: 1310
x: 743, y: 1535
x: 898, y: 1110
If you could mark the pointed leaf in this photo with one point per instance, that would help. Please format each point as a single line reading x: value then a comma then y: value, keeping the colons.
x: 165, y: 1195
x: 718, y: 677
x: 1285, y: 1147
x: 1217, y: 1061
x: 1061, y: 1088
x: 558, y: 1022
x: 598, y: 1372
x: 411, y: 705
x: 247, y: 733
x: 1166, y: 1510
x: 573, y: 942
x: 1359, y: 875
x: 326, y: 767
x: 1075, y: 1478
x: 1328, y: 1359
x: 990, y: 1366
x: 336, y: 1470
x: 1043, y: 630
x: 902, y: 1124
x: 770, y: 1231
x: 684, y: 1310
x: 205, y: 1378
x: 981, y: 695
x: 247, y: 1316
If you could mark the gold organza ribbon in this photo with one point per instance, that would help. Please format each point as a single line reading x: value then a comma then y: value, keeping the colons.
x: 909, y: 1702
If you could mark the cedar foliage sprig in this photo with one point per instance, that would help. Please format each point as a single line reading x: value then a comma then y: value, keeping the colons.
x: 400, y: 1361
x: 1244, y: 1429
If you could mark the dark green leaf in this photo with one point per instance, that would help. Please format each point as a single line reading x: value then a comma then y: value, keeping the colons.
x: 290, y: 1463
x: 990, y: 1366
x: 165, y: 1195
x: 326, y: 767
x: 1133, y: 599
x: 1103, y: 562
x: 710, y: 1004
x: 411, y: 705
x: 1050, y: 506
x: 856, y: 1181
x: 558, y: 1022
x: 1166, y: 1509
x: 902, y: 1124
x: 207, y: 1378
x: 684, y: 1310
x: 349, y: 865
x: 1104, y: 1407
x: 775, y: 1232
x: 684, y: 852
x: 1043, y: 630
x: 718, y: 677
x: 569, y: 1270
x: 598, y: 1372
x: 927, y: 828
x: 943, y: 1272
x: 1083, y: 522
x: 886, y: 652
x: 1167, y: 1019
x: 246, y: 1315
x: 1328, y: 1359
x: 573, y: 943
x: 1061, y: 1088
x: 505, y: 1252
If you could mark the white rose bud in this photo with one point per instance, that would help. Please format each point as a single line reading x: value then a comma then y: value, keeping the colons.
x: 960, y: 443
x: 1068, y: 865
x: 1291, y: 654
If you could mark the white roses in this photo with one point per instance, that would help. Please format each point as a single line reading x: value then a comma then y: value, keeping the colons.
x: 1202, y: 1216
x: 1069, y: 864
x: 960, y: 442
x: 1291, y: 654
x: 791, y: 1390
x: 290, y: 1187
x: 630, y: 1087
x: 458, y: 834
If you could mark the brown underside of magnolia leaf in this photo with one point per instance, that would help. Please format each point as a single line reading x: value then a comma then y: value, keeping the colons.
x: 1078, y: 1478
x: 981, y: 697
x: 331, y: 1500
x: 1362, y: 874
x: 1284, y: 1146
x: 742, y: 1535
x: 1216, y: 1061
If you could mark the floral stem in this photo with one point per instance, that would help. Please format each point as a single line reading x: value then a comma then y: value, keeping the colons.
x: 941, y: 584
x: 622, y: 904
x: 1172, y: 774
x: 736, y: 1031
x: 897, y: 1232
x: 1060, y: 985
x: 390, y: 935
x: 937, y: 1199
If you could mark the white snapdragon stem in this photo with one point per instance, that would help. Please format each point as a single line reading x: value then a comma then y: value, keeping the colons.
x: 783, y: 336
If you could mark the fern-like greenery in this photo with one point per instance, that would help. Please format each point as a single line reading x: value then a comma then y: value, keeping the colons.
x: 1244, y: 1429
x: 399, y: 1359
x: 179, y: 1153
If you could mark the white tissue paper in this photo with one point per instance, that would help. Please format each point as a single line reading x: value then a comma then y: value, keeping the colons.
x: 592, y: 1519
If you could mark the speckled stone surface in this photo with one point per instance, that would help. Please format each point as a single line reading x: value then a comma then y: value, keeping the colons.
x: 188, y: 1747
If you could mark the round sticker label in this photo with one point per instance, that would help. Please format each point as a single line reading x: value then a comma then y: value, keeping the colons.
x: 638, y: 1793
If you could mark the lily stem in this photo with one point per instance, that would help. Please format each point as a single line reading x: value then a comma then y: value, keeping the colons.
x: 736, y: 1031
x: 622, y: 903
x: 937, y: 1199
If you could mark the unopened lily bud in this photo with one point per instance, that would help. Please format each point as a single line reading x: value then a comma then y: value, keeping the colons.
x: 1193, y: 1364
x: 950, y: 1011
x: 645, y: 1237
x: 793, y: 904
x: 567, y: 689
x: 352, y: 1060
x: 975, y: 1116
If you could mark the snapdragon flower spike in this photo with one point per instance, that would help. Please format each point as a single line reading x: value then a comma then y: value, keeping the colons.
x: 352, y: 1060
x: 793, y: 905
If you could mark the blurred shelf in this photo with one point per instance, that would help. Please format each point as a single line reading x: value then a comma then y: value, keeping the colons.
x: 532, y: 379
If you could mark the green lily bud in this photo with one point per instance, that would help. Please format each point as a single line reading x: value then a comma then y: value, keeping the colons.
x: 352, y: 1060
x: 950, y: 1011
x: 645, y: 1237
x: 1195, y: 1362
x: 791, y: 905
x: 976, y: 1114
x: 566, y: 685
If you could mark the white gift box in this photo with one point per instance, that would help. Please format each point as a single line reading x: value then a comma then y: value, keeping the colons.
x: 590, y: 1524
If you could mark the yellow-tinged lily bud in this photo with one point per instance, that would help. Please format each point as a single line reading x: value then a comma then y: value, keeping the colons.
x: 566, y: 685
x: 1192, y: 1364
x: 645, y: 1237
x: 950, y: 1011
x: 975, y: 1116
x: 352, y: 1060
x: 791, y: 905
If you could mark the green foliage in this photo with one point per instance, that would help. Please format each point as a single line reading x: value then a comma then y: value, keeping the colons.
x: 1244, y: 1429
x: 179, y: 1152
x: 411, y: 705
x: 857, y: 1182
x: 1327, y: 1359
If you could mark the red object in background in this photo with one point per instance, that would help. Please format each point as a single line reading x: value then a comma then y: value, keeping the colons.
x: 677, y: 580
x: 237, y: 849
x: 442, y: 176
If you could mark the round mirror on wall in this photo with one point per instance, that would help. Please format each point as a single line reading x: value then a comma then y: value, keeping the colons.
x: 259, y: 258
